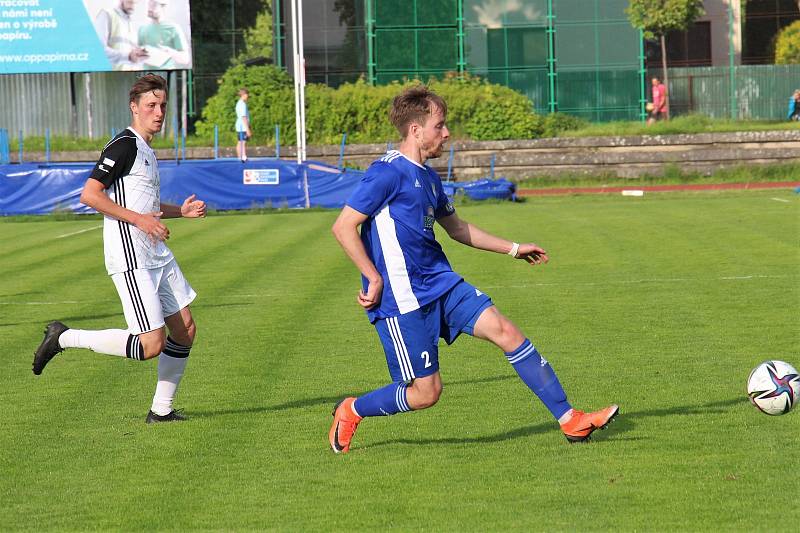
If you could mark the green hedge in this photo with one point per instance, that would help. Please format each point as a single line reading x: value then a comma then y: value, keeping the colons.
x: 787, y: 45
x: 477, y: 109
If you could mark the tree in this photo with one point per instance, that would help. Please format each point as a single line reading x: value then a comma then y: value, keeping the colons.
x: 656, y: 18
x: 258, y: 38
x: 787, y: 45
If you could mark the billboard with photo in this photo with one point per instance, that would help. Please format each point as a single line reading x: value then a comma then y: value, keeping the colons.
x: 94, y: 35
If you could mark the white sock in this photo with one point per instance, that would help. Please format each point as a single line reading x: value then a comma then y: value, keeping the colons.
x: 170, y: 372
x: 107, y: 341
x: 566, y: 417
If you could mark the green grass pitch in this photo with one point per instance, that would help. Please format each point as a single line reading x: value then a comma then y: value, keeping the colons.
x: 662, y: 304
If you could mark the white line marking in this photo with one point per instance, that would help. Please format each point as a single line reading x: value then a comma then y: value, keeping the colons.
x: 780, y: 200
x: 41, y: 303
x: 74, y: 302
x: 80, y: 231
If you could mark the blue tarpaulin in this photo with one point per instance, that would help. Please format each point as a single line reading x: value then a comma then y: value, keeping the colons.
x: 224, y: 184
x: 499, y: 189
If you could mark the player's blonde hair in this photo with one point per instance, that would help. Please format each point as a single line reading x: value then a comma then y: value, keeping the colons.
x: 414, y: 105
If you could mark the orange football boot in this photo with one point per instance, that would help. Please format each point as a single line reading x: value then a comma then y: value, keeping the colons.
x: 345, y: 422
x: 581, y: 425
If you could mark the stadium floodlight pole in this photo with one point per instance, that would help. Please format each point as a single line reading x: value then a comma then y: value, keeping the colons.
x: 299, y: 78
x: 302, y: 76
x: 299, y: 91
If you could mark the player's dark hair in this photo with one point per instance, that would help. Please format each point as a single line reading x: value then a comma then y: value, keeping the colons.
x: 414, y: 105
x: 145, y: 84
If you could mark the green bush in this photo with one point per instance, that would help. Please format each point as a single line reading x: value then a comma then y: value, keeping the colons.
x: 476, y: 109
x: 787, y: 45
x: 555, y: 124
x: 271, y: 102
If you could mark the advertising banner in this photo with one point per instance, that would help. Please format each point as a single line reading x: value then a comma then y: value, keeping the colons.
x: 94, y: 35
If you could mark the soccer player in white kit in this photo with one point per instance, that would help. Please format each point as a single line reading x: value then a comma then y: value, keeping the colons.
x: 125, y: 186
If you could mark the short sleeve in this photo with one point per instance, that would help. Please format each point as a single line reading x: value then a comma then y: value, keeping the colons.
x: 444, y: 207
x: 377, y: 186
x: 115, y: 162
x: 241, y: 109
x: 178, y: 39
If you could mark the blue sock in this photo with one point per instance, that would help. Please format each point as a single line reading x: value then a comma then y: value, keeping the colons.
x: 385, y: 401
x: 538, y: 375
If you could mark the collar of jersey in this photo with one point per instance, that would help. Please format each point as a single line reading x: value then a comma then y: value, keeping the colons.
x: 423, y: 167
x: 137, y: 135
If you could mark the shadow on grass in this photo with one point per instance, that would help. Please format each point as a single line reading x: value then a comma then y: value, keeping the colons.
x: 324, y: 400
x: 68, y: 320
x: 525, y: 431
x: 624, y: 423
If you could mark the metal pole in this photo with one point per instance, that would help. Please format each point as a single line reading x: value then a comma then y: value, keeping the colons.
x: 732, y: 67
x: 184, y: 85
x: 47, y: 145
x: 278, y: 37
x: 296, y: 71
x: 21, y: 143
x: 88, y: 85
x: 341, y: 151
x: 277, y: 141
x: 642, y: 80
x: 462, y: 64
x: 302, y: 75
x: 191, y: 93
x: 305, y: 187
x: 551, y: 57
x: 216, y: 141
x: 450, y: 163
x: 175, y: 136
x: 3, y: 146
x: 371, y: 76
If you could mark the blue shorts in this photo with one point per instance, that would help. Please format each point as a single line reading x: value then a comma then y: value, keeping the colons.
x: 411, y: 341
x: 242, y: 135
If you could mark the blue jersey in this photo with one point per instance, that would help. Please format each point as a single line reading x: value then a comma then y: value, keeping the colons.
x: 402, y: 200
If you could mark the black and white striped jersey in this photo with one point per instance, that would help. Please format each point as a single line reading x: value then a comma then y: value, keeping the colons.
x: 128, y: 170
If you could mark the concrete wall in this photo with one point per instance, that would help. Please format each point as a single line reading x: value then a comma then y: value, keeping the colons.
x: 589, y: 156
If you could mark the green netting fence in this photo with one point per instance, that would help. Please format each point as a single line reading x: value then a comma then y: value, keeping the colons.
x: 752, y: 92
x: 577, y: 56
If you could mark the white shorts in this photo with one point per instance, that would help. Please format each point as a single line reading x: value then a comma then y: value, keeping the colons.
x: 149, y: 295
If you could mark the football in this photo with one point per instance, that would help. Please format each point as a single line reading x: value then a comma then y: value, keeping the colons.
x: 774, y: 387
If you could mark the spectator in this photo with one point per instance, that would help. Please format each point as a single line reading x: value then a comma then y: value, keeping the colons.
x: 243, y: 132
x: 659, y: 103
x: 794, y: 106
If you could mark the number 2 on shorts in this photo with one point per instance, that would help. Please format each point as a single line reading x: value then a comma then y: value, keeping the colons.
x: 425, y: 355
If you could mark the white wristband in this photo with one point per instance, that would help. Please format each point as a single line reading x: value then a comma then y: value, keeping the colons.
x: 514, y: 249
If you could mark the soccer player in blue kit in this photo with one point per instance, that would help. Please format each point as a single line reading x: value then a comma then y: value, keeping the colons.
x: 410, y: 292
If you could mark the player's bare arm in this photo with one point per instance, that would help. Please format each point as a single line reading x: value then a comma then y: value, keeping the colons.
x: 345, y: 229
x: 466, y: 233
x: 95, y: 197
x: 191, y: 208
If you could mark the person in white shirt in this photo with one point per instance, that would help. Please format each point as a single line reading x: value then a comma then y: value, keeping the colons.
x: 125, y: 186
x: 243, y: 132
x: 119, y: 37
